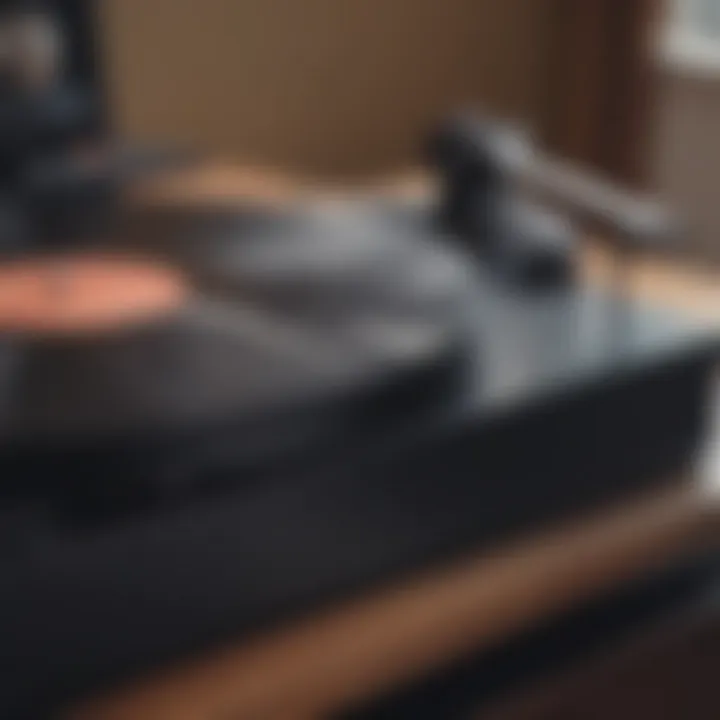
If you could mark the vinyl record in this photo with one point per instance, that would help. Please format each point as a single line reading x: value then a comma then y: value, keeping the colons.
x: 198, y: 325
x: 343, y: 265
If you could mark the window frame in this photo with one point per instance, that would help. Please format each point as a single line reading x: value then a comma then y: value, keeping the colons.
x: 684, y: 48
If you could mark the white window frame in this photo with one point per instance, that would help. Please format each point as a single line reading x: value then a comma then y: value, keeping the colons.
x: 700, y: 18
x: 685, y: 48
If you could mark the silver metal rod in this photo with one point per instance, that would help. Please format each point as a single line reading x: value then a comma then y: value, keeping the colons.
x: 632, y: 219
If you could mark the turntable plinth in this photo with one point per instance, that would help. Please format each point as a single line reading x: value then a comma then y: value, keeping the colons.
x: 389, y: 637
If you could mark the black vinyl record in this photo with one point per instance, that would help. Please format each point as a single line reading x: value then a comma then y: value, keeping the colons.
x: 226, y: 333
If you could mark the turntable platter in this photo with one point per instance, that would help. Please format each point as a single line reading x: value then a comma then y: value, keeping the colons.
x: 198, y: 323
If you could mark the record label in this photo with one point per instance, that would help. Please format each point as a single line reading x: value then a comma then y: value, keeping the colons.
x: 86, y: 294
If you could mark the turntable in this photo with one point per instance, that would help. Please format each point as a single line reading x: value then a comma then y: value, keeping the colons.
x: 212, y: 419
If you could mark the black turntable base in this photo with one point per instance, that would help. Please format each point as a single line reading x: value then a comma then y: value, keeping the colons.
x: 259, y: 449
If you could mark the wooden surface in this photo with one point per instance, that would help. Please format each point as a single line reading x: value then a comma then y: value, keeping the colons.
x: 341, y: 87
x: 377, y: 642
x: 666, y: 671
x: 601, y: 81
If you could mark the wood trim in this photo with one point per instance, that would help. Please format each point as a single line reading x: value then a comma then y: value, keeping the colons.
x: 631, y: 91
x: 601, y: 87
x: 576, y: 78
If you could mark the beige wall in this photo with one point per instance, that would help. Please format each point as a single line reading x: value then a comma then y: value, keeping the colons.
x: 328, y: 85
x: 688, y: 152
